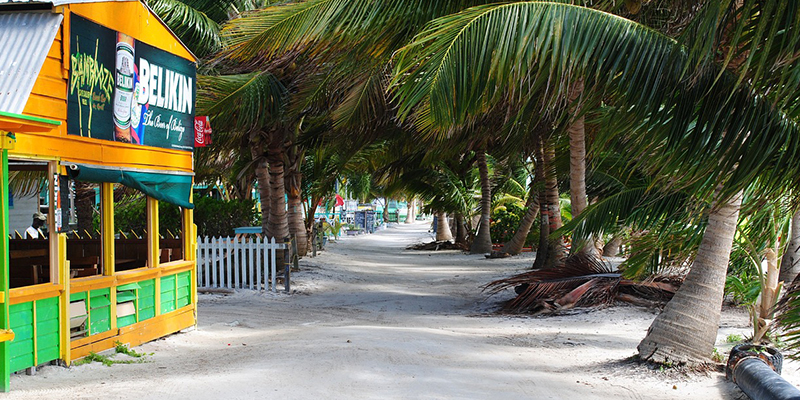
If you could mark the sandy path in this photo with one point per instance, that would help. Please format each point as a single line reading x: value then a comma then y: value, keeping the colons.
x: 371, y: 320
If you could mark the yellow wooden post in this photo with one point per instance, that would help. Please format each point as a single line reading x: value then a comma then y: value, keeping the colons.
x: 190, y: 253
x: 153, y: 236
x: 63, y: 279
x: 152, y: 246
x: 107, y: 243
x: 107, y: 227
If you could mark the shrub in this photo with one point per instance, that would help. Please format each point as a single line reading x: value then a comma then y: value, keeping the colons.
x: 219, y: 217
x: 213, y: 217
x: 506, y: 220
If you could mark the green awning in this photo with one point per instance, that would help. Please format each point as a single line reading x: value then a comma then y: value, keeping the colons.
x: 174, y: 188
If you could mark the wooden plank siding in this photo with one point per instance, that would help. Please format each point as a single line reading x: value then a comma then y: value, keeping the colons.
x: 49, y: 94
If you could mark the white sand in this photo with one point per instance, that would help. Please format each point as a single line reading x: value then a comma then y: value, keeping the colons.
x: 370, y: 320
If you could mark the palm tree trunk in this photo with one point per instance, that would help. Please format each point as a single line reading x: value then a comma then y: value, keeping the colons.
x: 577, y: 155
x: 262, y: 177
x: 514, y: 246
x: 411, y: 216
x: 685, y: 332
x: 442, y: 227
x: 461, y: 229
x: 295, y: 210
x: 483, y: 239
x: 278, y: 227
x: 577, y: 169
x: 611, y: 249
x: 551, y: 252
x: 790, y: 263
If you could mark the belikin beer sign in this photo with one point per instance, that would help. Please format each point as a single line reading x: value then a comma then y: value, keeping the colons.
x: 125, y: 90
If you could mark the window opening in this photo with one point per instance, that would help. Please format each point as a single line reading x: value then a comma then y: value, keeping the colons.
x: 80, y: 215
x: 170, y: 220
x: 130, y: 228
x: 29, y: 223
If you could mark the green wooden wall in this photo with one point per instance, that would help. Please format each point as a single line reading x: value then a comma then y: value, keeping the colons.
x: 46, y: 341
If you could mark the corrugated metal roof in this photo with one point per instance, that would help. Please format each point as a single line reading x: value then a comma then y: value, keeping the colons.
x: 25, y: 38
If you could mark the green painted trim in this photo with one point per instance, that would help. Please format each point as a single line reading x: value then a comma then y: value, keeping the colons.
x: 29, y: 118
x: 5, y: 354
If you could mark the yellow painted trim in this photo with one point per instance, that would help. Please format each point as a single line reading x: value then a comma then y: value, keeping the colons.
x: 13, y: 124
x: 113, y: 316
x: 193, y: 285
x: 153, y: 235
x: 107, y: 227
x: 138, y: 333
x: 91, y: 339
x: 158, y: 295
x: 175, y: 267
x: 63, y: 268
x: 88, y: 283
x: 35, y: 292
x: 89, y: 313
x: 100, y: 152
x: 137, y: 275
x: 6, y: 335
x: 136, y: 304
x: 7, y: 142
x: 2, y: 297
x: 35, y: 337
x: 65, y: 41
x: 175, y: 290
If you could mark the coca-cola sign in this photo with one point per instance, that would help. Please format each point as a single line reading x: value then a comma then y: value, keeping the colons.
x: 202, y: 131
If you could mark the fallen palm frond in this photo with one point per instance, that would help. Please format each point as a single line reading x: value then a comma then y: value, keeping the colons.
x: 583, y: 282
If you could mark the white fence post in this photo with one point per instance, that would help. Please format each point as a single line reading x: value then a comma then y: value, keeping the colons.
x: 215, y: 249
x: 252, y: 257
x: 236, y: 264
x: 272, y: 268
x: 259, y: 261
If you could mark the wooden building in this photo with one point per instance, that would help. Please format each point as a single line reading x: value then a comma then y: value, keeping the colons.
x: 93, y: 96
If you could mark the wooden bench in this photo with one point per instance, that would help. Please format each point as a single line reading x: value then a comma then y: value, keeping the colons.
x: 84, y: 266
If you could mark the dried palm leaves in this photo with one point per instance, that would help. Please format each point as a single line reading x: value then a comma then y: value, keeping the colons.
x: 583, y: 282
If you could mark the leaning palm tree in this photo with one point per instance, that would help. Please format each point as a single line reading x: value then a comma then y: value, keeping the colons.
x: 700, y: 121
x: 241, y: 106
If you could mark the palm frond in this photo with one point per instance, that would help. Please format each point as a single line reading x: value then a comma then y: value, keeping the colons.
x: 583, y: 281
x: 191, y: 23
x: 697, y: 130
x: 240, y: 102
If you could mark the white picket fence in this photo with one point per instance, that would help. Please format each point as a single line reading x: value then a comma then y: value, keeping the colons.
x: 244, y: 263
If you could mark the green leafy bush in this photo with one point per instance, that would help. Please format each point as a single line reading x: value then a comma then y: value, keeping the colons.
x: 219, y: 217
x: 213, y: 217
x: 506, y: 220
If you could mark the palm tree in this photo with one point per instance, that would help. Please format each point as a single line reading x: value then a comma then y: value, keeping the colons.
x: 350, y: 43
x: 700, y: 129
x: 238, y: 104
x: 515, y: 244
x: 790, y: 262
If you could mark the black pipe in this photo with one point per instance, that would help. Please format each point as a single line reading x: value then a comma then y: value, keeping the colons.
x: 759, y: 382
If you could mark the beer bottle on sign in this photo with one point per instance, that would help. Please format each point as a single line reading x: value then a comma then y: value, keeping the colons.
x: 123, y: 88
